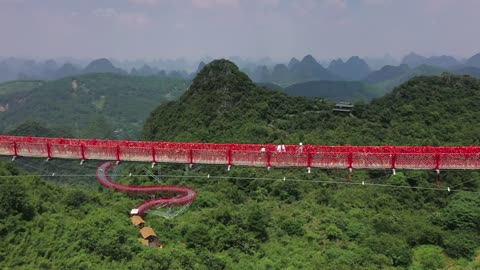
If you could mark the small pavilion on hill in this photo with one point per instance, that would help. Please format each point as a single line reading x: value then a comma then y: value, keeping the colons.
x: 137, y: 221
x: 149, y: 235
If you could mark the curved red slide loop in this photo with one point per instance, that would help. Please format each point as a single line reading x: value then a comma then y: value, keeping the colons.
x: 185, y: 195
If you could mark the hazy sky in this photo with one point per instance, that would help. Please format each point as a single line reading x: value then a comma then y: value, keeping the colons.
x: 128, y: 29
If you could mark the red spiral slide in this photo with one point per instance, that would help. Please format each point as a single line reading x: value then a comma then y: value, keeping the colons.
x: 185, y: 195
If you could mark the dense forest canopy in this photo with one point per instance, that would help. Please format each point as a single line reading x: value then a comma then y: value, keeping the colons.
x: 101, y: 105
x: 223, y: 105
x: 251, y: 218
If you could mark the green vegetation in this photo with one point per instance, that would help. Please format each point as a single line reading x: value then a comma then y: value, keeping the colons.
x: 46, y: 226
x: 237, y: 224
x: 424, y: 111
x: 228, y: 107
x: 31, y: 128
x: 343, y: 227
x: 103, y: 105
x: 252, y: 220
x: 472, y: 71
x: 13, y: 87
x: 335, y: 90
x: 389, y: 77
x: 375, y: 85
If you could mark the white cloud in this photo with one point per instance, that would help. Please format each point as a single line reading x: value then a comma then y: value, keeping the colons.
x: 122, y: 18
x: 212, y: 3
x: 133, y: 19
x: 302, y: 8
x: 11, y: 1
x: 377, y: 2
x: 324, y: 7
x: 337, y: 4
x: 144, y: 2
x: 270, y: 3
x: 105, y: 12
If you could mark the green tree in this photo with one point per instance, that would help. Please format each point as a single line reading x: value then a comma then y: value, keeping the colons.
x: 392, y: 246
x: 197, y: 236
x: 462, y: 212
x: 13, y: 200
x: 429, y: 257
x: 460, y: 243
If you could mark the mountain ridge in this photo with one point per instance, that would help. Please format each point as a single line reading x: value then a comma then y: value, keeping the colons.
x: 354, y: 69
x: 86, y: 102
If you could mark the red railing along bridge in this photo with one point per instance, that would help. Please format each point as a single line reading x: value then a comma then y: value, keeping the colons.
x: 257, y: 155
x: 253, y: 155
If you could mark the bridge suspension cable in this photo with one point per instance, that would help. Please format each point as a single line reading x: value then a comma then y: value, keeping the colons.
x: 213, y: 178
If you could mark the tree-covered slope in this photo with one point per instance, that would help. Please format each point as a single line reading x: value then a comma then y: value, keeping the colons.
x: 309, y: 225
x: 389, y: 77
x: 438, y: 110
x: 239, y: 224
x: 333, y: 90
x: 472, y: 71
x: 426, y: 110
x: 31, y: 128
x: 94, y: 105
x: 224, y: 105
x: 387, y: 73
x: 19, y: 86
x: 249, y: 218
x: 46, y: 226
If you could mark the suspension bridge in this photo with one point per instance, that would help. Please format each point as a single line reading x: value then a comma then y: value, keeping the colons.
x: 251, y: 155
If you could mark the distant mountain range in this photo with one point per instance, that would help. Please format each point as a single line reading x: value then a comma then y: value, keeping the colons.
x: 14, y: 69
x: 358, y: 69
x: 414, y: 60
x: 474, y: 61
x: 308, y: 69
x: 282, y: 75
x: 387, y: 73
x: 354, y: 69
x: 391, y: 76
x: 102, y: 65
x: 472, y: 71
x: 375, y: 84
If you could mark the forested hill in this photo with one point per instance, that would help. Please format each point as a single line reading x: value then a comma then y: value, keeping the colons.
x: 253, y: 218
x: 335, y: 90
x: 436, y: 110
x: 222, y: 104
x: 304, y: 225
x: 101, y: 105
